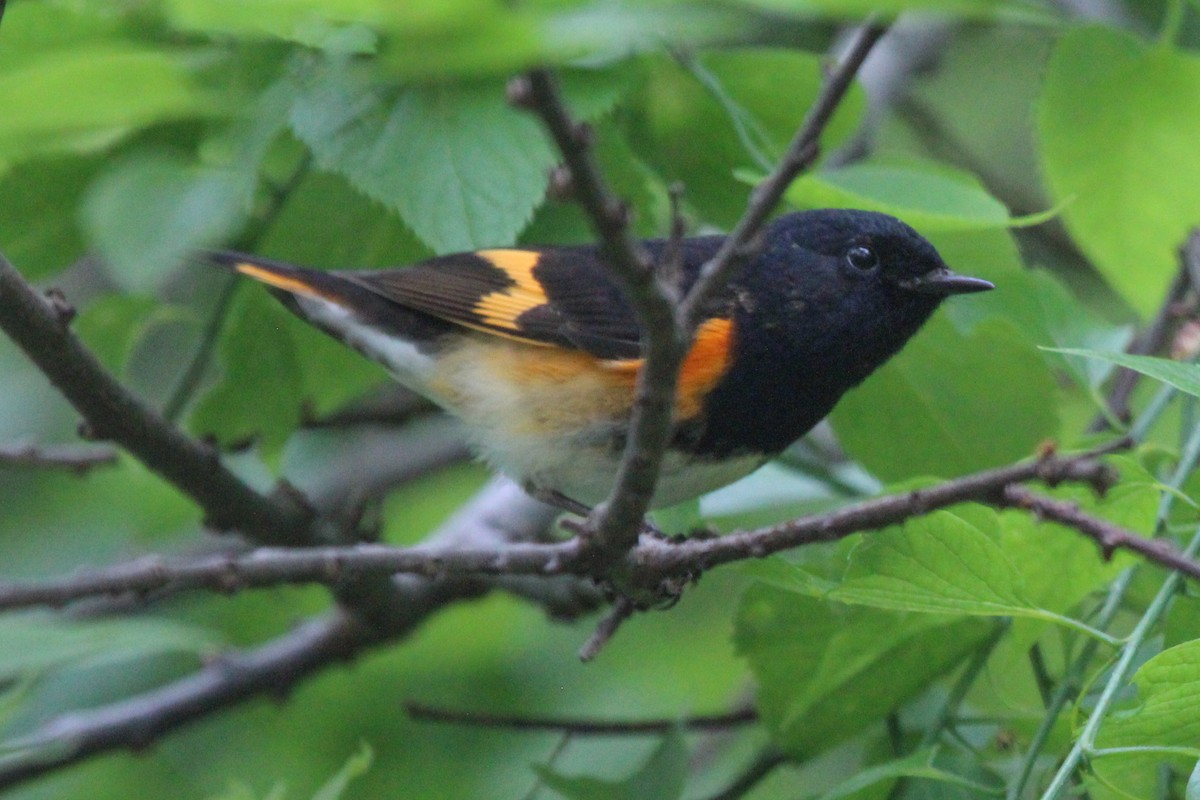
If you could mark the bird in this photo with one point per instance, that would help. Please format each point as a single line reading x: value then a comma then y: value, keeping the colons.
x: 537, y: 351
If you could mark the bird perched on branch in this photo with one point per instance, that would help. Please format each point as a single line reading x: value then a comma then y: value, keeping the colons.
x: 538, y: 352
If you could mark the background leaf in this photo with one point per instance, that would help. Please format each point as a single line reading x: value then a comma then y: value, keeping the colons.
x: 1111, y: 108
x: 950, y: 403
x: 461, y: 167
x: 146, y: 214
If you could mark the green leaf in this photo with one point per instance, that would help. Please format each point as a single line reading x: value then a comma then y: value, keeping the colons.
x: 1039, y: 305
x: 111, y: 325
x: 726, y: 113
x: 356, y: 766
x: 918, y: 765
x: 80, y: 98
x: 1184, y: 377
x: 311, y: 227
x: 147, y: 213
x: 950, y: 404
x: 661, y: 776
x: 38, y: 218
x: 1115, y: 119
x: 260, y: 392
x: 939, y: 563
x: 36, y: 642
x: 930, y: 197
x: 1168, y: 695
x: 461, y: 167
x: 826, y: 670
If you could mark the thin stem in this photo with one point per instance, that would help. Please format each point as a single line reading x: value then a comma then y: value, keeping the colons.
x: 1084, y: 745
x: 198, y: 365
x: 578, y: 726
x: 1069, y: 686
x: 759, y: 769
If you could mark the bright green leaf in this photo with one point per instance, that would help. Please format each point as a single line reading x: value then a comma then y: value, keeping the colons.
x: 1168, y: 695
x: 826, y: 670
x: 1117, y: 121
x: 461, y: 167
x: 147, y: 213
x: 928, y: 197
x: 81, y: 98
x: 661, y: 776
x: 1184, y: 377
x: 950, y: 404
x: 938, y: 563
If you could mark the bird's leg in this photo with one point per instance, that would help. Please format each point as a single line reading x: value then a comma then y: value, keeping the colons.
x: 557, y: 499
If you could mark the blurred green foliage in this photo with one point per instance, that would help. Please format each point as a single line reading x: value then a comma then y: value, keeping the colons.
x: 361, y: 133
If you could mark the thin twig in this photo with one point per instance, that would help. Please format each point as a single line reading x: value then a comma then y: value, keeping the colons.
x: 73, y: 458
x: 1109, y: 536
x: 615, y: 523
x: 1157, y: 335
x: 801, y: 153
x: 649, y: 564
x: 197, y: 366
x: 578, y: 726
x: 621, y: 610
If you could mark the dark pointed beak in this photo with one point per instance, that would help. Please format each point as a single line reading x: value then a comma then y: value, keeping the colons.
x: 945, y: 282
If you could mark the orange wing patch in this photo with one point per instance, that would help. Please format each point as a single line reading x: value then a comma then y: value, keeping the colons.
x: 501, y: 308
x: 287, y: 283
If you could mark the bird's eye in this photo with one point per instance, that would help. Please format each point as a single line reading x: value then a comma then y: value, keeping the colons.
x: 862, y: 258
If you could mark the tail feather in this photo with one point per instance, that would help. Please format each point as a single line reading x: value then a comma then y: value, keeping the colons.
x: 289, y: 280
x: 313, y: 294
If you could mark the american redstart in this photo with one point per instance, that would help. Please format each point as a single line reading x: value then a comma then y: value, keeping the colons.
x: 537, y: 350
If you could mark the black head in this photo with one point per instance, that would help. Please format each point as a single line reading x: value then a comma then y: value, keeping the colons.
x: 833, y: 295
x: 865, y: 251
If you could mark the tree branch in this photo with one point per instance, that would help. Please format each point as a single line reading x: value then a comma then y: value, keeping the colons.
x: 1109, y: 536
x: 39, y: 326
x: 75, y: 459
x: 499, y: 512
x: 650, y: 564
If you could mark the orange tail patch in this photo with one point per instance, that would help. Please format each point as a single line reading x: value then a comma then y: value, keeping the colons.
x: 288, y: 283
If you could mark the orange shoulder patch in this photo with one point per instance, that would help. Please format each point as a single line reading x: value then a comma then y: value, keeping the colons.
x: 703, y: 367
x: 706, y: 363
x: 502, y: 307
